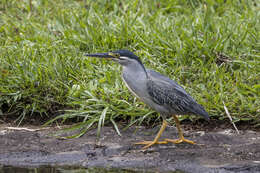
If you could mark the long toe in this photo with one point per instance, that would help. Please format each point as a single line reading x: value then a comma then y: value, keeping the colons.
x: 180, y: 140
x: 150, y: 143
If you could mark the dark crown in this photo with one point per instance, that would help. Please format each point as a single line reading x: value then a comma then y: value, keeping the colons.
x: 128, y: 54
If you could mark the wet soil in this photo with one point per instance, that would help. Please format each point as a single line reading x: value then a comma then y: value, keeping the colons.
x: 218, y: 150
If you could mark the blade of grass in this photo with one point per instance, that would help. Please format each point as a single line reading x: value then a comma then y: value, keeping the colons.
x: 101, y: 121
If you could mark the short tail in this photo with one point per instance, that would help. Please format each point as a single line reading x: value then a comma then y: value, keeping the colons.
x: 205, y: 115
x: 199, y: 110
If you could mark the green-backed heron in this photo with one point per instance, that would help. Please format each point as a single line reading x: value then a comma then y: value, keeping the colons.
x: 157, y: 91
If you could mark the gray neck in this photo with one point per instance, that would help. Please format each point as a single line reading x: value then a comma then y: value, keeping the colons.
x: 135, y: 77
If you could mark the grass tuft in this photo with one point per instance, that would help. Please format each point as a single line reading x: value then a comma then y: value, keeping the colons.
x: 211, y: 48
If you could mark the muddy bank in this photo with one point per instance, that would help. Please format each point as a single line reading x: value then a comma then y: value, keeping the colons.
x: 218, y: 151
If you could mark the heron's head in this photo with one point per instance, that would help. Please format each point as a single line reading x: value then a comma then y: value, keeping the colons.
x: 123, y: 57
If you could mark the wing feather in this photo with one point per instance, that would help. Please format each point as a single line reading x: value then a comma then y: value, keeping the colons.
x: 169, y: 94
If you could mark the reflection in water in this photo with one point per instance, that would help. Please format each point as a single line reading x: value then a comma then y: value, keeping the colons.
x: 48, y: 169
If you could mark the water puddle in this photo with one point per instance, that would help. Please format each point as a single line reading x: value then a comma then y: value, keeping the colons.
x: 48, y: 169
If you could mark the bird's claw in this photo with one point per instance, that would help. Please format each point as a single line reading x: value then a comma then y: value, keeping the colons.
x: 150, y: 143
x: 180, y: 140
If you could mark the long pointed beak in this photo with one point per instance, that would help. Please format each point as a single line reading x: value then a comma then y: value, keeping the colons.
x: 101, y: 55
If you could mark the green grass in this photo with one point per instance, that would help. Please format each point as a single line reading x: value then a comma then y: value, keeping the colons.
x: 210, y: 47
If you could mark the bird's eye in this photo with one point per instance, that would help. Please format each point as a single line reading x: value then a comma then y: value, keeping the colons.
x: 117, y: 55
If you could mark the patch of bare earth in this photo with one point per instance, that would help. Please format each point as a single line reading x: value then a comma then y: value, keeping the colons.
x: 216, y: 151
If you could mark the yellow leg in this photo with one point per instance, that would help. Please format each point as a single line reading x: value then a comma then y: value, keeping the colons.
x: 156, y: 139
x: 181, y: 137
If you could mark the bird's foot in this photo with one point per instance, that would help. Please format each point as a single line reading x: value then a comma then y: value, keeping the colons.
x: 180, y: 140
x: 150, y: 143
